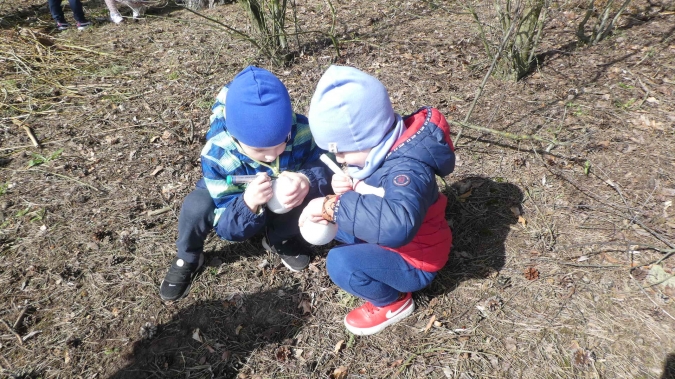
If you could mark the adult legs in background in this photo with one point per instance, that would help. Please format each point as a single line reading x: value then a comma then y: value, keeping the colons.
x: 115, y: 15
x: 57, y: 11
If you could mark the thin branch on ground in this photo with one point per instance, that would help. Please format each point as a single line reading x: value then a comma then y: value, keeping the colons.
x: 513, y: 136
x: 482, y: 85
x: 159, y: 211
x: 33, y: 169
x: 634, y: 217
x: 649, y: 297
x: 226, y: 27
x: 84, y: 136
x: 19, y: 319
x: 667, y: 278
x: 405, y: 364
x: 28, y: 131
x: 9, y: 327
x: 548, y: 228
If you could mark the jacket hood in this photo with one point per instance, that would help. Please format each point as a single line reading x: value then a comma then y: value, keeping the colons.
x: 426, y: 139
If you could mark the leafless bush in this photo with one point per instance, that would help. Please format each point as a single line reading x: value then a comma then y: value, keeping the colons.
x: 269, y: 20
x: 197, y: 4
x: 604, y: 18
x: 515, y: 36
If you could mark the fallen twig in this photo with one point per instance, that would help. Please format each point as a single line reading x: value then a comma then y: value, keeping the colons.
x: 84, y: 136
x: 649, y: 297
x: 17, y: 335
x: 67, y: 177
x: 33, y: 169
x: 518, y: 137
x: 405, y: 364
x: 633, y: 215
x: 159, y: 211
x: 644, y: 88
x: 19, y: 319
x: 7, y: 365
x: 28, y: 130
x: 485, y: 79
x: 31, y: 335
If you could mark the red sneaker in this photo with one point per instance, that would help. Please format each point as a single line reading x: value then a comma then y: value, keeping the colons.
x: 369, y: 319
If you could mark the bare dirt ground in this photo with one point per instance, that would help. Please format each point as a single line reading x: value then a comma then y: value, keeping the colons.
x: 561, y: 258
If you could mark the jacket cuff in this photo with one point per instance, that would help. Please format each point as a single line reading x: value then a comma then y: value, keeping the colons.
x: 238, y: 223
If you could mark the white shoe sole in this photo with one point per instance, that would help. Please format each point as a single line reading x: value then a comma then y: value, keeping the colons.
x: 378, y: 328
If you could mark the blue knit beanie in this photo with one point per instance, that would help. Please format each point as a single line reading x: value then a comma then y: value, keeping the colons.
x: 350, y: 111
x: 258, y: 108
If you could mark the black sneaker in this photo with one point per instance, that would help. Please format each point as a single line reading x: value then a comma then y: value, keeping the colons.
x: 178, y: 279
x: 293, y: 253
x: 62, y: 25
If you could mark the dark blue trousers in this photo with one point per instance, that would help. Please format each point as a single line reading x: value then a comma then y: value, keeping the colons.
x: 75, y: 6
x: 195, y: 222
x: 372, y: 272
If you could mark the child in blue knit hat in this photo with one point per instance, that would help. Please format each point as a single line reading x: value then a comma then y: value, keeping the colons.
x: 388, y: 209
x: 260, y: 136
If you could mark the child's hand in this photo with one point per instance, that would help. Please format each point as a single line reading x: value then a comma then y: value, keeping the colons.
x: 312, y: 212
x: 341, y: 183
x: 298, y: 189
x: 258, y: 192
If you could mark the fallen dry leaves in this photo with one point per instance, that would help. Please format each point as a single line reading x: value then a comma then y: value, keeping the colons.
x: 430, y: 323
x: 581, y: 357
x: 396, y: 363
x: 339, y: 346
x: 282, y: 354
x: 339, y: 373
x: 518, y: 213
x: 305, y: 306
x: 531, y: 273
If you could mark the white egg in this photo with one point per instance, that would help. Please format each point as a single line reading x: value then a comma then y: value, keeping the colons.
x: 279, y: 186
x: 318, y: 234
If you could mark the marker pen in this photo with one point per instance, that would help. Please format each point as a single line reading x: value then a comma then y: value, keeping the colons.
x: 240, y: 179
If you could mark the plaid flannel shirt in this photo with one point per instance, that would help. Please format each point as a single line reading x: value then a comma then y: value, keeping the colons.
x: 221, y: 156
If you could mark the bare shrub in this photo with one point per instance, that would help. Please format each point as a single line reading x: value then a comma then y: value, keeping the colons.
x: 269, y: 20
x: 515, y: 35
x: 197, y: 4
x: 604, y: 16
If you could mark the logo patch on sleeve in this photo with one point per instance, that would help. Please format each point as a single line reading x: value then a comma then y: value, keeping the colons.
x: 401, y: 180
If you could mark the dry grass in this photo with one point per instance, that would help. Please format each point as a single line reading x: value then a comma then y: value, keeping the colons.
x: 550, y: 273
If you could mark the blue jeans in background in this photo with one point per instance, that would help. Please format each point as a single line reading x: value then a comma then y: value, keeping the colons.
x: 57, y: 10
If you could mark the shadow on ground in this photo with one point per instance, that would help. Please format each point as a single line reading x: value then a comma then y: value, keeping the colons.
x: 669, y: 367
x: 229, y: 330
x: 480, y: 212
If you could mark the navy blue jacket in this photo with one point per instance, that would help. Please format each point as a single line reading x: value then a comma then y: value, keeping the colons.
x: 410, y: 218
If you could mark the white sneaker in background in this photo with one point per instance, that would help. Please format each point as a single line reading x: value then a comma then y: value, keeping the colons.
x: 138, y: 11
x: 116, y: 18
